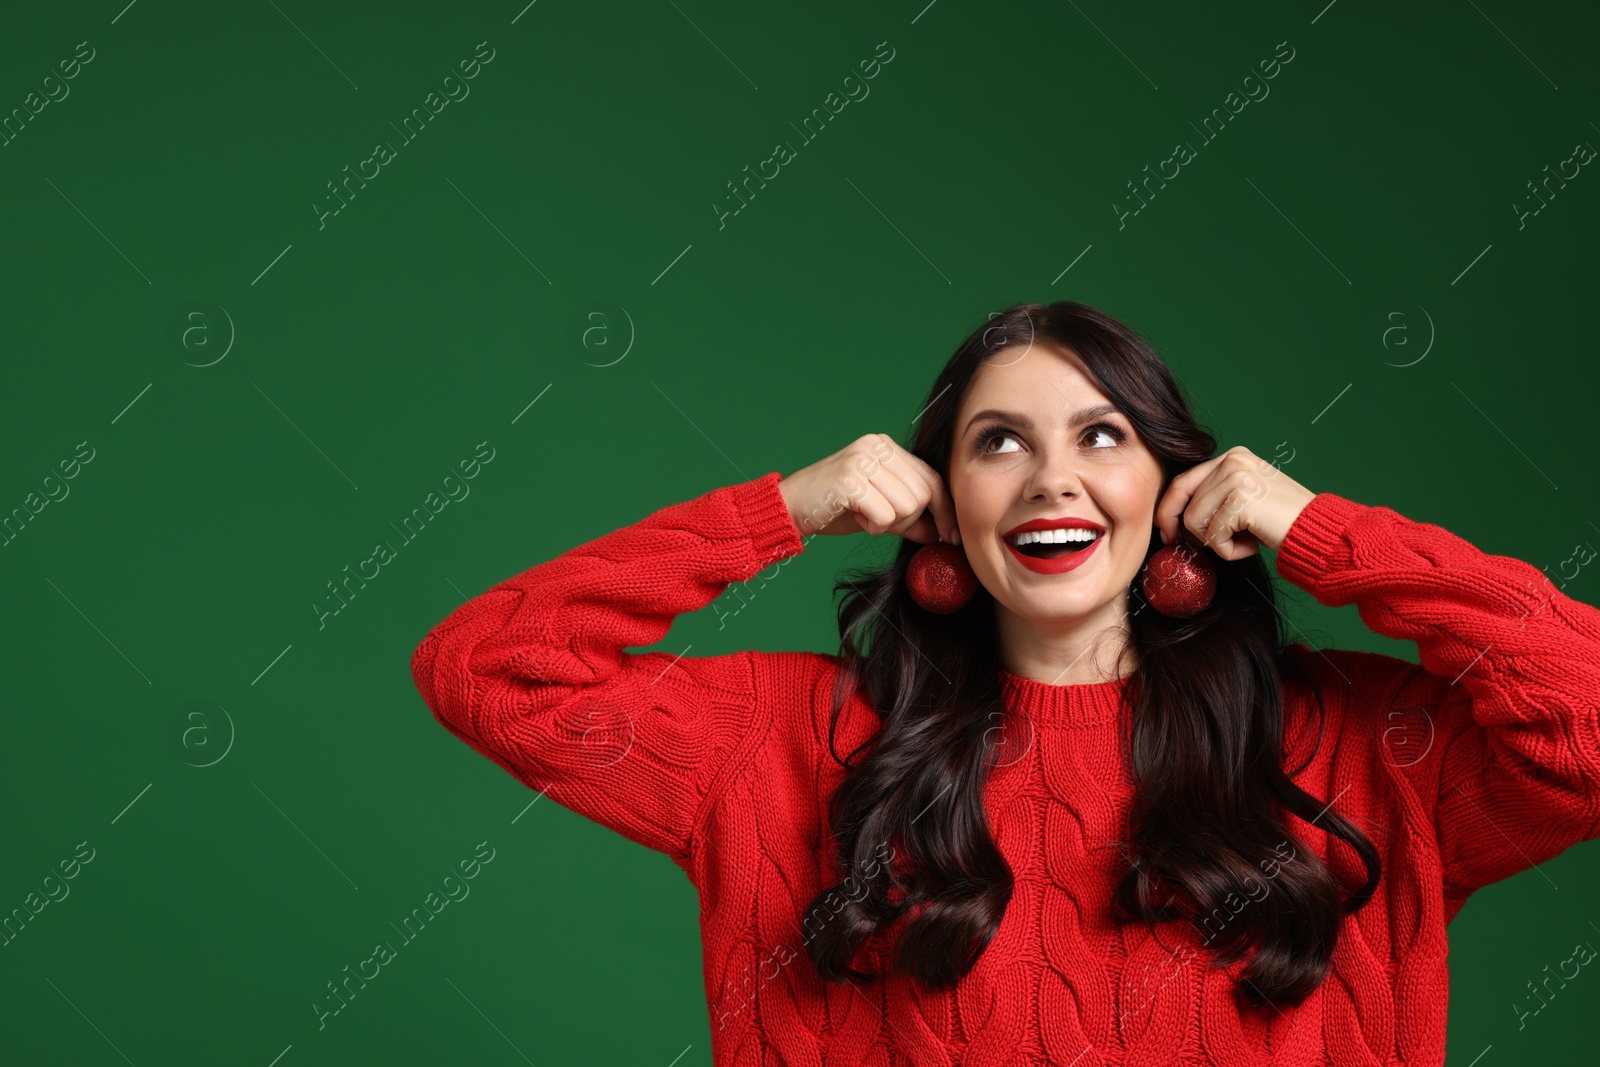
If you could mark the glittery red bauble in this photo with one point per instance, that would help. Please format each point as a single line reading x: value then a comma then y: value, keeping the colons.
x: 1179, y: 581
x: 940, y: 578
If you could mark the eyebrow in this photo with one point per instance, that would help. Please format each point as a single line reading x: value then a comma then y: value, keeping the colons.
x: 1081, y: 416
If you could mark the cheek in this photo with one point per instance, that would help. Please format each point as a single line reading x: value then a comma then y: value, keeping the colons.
x: 1134, y: 498
x: 979, y: 497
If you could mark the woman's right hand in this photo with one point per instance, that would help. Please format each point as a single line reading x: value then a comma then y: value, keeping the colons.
x: 872, y: 484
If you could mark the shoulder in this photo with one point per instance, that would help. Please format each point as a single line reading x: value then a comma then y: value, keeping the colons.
x: 1357, y: 691
x: 799, y: 688
x: 1360, y: 678
x: 791, y: 672
x: 796, y: 679
x: 1395, y: 705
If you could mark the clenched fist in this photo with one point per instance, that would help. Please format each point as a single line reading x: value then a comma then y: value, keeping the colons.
x: 1234, y: 503
x: 871, y: 484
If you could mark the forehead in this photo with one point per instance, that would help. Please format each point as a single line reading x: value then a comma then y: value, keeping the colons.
x: 1031, y: 377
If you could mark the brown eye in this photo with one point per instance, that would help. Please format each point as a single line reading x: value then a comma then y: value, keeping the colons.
x: 1108, y: 430
x: 997, y: 435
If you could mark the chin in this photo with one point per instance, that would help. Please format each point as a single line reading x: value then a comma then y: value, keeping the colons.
x: 1059, y: 606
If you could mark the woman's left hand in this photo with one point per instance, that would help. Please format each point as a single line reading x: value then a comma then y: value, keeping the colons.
x: 1234, y: 504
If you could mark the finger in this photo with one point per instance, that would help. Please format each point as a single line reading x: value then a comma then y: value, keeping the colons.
x: 905, y: 498
x: 1227, y: 520
x: 1235, y: 485
x: 1231, y: 486
x: 1175, y: 501
x: 875, y: 513
x: 1202, y: 506
x: 922, y: 530
x: 1203, y: 512
x: 928, y: 487
x: 1170, y: 508
x: 940, y: 504
x: 1216, y: 514
x: 1244, y: 544
x: 1231, y: 539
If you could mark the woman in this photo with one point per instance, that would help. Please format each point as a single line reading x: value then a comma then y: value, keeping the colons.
x: 1055, y: 825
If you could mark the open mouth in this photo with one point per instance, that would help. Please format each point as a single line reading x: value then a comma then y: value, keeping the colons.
x: 1054, y: 544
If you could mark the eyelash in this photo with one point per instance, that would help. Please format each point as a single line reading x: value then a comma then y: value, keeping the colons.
x: 989, y: 433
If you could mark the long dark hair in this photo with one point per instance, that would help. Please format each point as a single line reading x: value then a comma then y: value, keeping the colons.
x: 1203, y: 733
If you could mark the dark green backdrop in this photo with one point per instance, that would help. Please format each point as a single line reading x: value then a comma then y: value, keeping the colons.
x: 1349, y: 272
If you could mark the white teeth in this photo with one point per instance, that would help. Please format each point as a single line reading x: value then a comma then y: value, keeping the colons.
x: 1058, y: 536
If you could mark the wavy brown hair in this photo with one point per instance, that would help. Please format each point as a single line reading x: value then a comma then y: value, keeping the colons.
x: 1202, y: 735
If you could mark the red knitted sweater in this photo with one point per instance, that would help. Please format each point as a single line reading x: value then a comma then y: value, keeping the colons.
x: 1481, y: 762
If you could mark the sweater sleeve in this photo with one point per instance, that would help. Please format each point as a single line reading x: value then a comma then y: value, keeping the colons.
x: 532, y: 673
x: 1509, y: 676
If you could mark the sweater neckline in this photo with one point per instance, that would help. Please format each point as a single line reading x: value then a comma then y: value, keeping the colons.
x: 1083, y: 704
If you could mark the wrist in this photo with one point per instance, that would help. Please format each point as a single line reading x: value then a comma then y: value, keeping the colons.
x: 785, y: 490
x: 766, y: 516
x: 1298, y: 506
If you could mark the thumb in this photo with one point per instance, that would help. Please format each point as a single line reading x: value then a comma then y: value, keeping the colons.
x: 923, y: 530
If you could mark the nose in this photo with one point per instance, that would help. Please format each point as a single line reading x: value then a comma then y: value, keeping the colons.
x: 1051, y: 479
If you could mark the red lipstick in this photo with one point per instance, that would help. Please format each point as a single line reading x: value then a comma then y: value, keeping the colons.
x: 1062, y: 564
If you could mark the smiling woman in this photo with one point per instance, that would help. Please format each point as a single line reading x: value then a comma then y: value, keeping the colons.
x: 1042, y: 415
x: 1038, y: 823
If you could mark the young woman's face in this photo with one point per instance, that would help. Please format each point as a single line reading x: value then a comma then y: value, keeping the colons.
x: 1059, y: 450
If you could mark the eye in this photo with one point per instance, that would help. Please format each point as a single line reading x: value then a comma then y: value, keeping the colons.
x: 1109, y: 430
x: 991, y: 435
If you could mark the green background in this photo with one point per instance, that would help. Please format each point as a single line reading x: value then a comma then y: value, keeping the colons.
x: 1361, y: 215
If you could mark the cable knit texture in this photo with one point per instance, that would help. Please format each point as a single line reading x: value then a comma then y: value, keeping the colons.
x: 1481, y: 762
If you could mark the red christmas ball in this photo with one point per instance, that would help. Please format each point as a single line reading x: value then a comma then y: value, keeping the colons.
x: 1179, y: 581
x: 940, y: 578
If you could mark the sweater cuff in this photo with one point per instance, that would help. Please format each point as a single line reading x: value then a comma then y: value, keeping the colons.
x: 773, y: 533
x: 1317, y: 545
